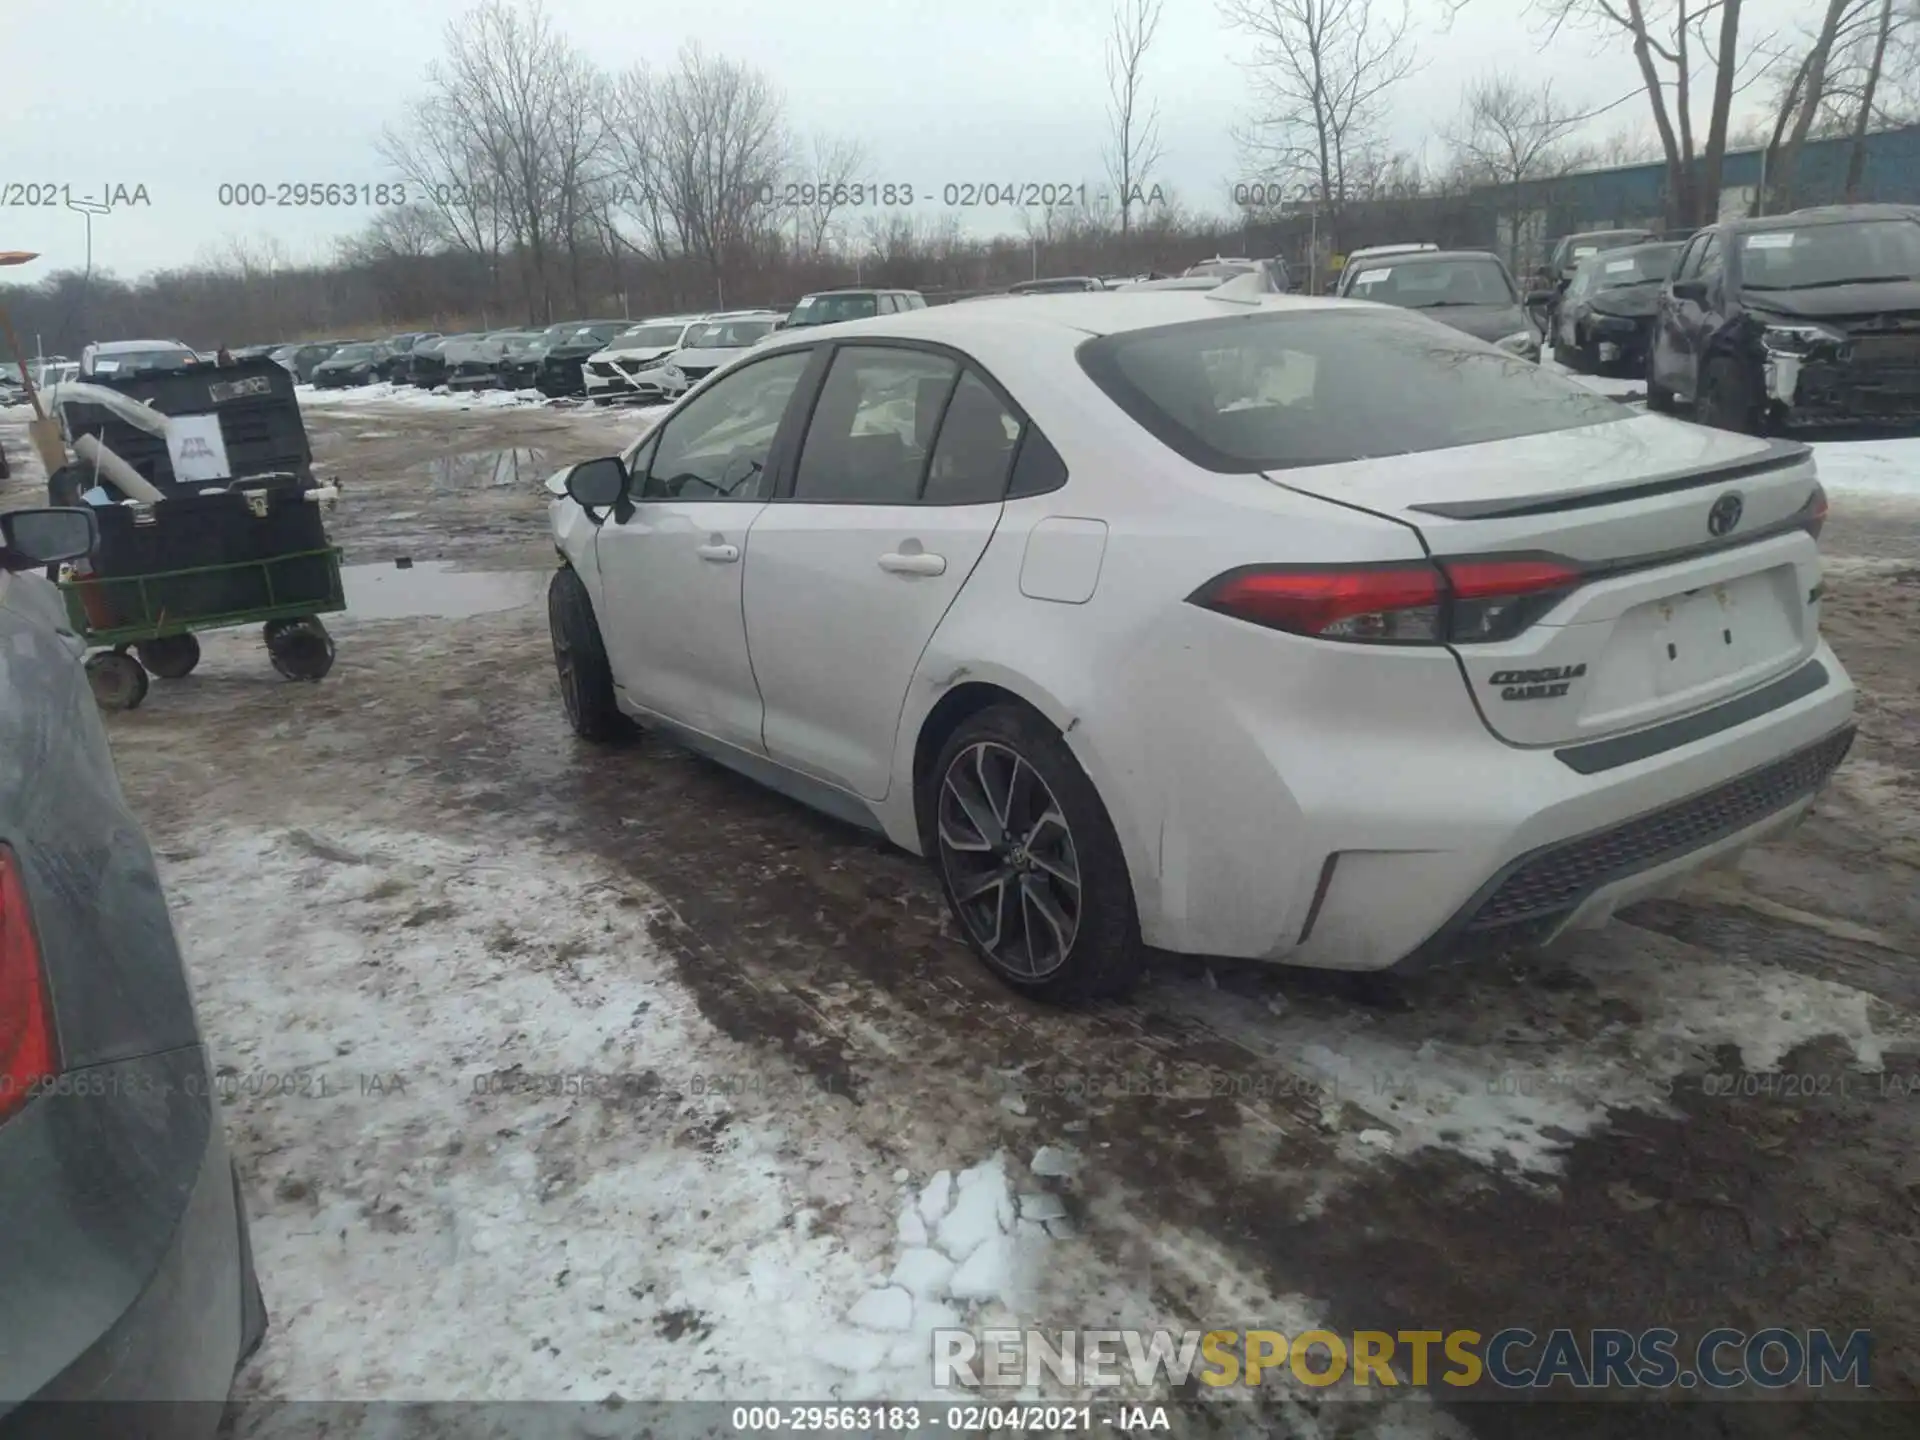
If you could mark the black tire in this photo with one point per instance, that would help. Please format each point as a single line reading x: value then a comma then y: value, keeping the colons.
x: 116, y: 679
x: 1727, y: 399
x: 171, y: 657
x: 1102, y: 955
x: 299, y: 649
x: 580, y: 660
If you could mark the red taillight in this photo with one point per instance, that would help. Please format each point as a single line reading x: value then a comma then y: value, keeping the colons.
x: 26, y: 1022
x: 1378, y: 603
x: 1815, y: 511
x: 1404, y: 604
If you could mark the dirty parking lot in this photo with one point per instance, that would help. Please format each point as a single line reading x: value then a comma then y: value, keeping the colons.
x: 410, y: 901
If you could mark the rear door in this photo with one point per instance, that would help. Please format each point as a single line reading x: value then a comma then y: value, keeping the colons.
x: 899, y: 485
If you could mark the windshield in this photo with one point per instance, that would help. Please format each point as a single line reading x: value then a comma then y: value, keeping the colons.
x: 641, y: 337
x: 1419, y: 284
x: 353, y: 352
x: 831, y: 309
x: 595, y: 335
x: 125, y: 360
x: 1278, y: 390
x: 1222, y: 268
x: 1852, y: 253
x: 1634, y: 267
x: 728, y: 334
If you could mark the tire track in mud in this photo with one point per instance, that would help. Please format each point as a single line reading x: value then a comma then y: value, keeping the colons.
x: 808, y: 936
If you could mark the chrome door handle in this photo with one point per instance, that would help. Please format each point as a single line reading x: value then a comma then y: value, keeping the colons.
x: 719, y: 554
x: 919, y: 562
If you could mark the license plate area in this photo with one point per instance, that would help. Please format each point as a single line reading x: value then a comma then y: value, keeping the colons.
x: 1693, y: 648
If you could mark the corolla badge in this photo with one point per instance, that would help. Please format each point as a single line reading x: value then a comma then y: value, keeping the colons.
x: 1725, y: 514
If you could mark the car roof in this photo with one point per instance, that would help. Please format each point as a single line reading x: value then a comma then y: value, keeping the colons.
x: 1074, y: 313
x: 123, y: 347
x: 1407, y: 247
x: 862, y: 290
x: 1422, y: 256
x: 1821, y: 215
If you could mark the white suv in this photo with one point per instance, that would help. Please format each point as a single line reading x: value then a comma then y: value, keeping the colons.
x: 617, y: 372
x: 1226, y: 623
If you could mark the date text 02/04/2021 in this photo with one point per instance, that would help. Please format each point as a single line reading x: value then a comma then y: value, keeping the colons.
x: 886, y: 1419
x: 953, y: 194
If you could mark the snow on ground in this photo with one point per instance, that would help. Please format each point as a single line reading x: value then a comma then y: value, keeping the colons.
x: 1872, y: 467
x: 1490, y: 1096
x: 312, y: 397
x: 494, y: 1151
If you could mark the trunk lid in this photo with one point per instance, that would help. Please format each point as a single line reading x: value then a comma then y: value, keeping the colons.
x: 1687, y: 598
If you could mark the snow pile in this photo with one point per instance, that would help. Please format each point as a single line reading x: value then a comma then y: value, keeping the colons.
x: 414, y: 398
x: 967, y: 1248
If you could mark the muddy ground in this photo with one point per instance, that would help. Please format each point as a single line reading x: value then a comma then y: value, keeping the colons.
x: 1620, y: 1184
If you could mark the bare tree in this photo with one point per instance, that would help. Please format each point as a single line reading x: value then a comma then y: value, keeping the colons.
x: 699, y: 143
x: 1322, y: 72
x: 1514, y: 135
x: 1863, y: 117
x: 1813, y: 83
x: 1663, y: 34
x: 823, y: 186
x: 1134, y: 147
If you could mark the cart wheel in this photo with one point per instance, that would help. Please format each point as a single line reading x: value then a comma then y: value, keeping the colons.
x: 300, y: 649
x: 171, y: 657
x: 118, y: 681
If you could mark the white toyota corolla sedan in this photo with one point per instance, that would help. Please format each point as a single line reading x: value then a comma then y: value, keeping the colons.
x: 1226, y: 623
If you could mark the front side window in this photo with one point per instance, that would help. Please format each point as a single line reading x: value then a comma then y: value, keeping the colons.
x: 873, y: 426
x: 1713, y: 259
x: 716, y: 448
x: 1278, y: 390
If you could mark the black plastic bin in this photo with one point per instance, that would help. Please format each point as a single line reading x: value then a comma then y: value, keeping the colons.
x: 259, y: 419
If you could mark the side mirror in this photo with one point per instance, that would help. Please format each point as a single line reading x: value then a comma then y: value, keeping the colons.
x: 1694, y: 290
x: 32, y: 538
x: 597, y: 484
x: 1538, y: 298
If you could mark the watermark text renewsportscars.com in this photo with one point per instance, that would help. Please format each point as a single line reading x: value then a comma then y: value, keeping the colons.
x: 1656, y: 1358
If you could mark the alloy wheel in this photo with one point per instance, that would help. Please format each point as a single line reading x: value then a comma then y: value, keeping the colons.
x: 1010, y: 860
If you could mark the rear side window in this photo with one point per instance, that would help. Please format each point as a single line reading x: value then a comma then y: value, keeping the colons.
x: 1273, y: 391
x: 974, y: 449
x: 873, y: 426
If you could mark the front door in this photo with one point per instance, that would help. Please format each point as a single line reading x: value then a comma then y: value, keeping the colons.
x: 671, y: 566
x: 901, y: 480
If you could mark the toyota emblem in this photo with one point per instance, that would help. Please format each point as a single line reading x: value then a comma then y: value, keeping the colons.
x: 1725, y: 514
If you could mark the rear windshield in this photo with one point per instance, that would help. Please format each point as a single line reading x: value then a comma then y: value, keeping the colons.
x: 1613, y: 270
x: 1819, y: 256
x: 1421, y: 284
x: 1277, y: 391
x: 655, y: 335
x: 831, y: 309
x: 729, y: 334
x: 126, y: 361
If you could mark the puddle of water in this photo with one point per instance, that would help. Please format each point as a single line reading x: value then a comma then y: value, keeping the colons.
x: 432, y: 589
x: 482, y: 470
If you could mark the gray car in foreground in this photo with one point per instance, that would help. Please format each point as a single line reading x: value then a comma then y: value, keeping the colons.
x: 126, y: 1273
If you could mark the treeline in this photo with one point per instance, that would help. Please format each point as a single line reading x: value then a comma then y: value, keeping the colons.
x: 543, y: 187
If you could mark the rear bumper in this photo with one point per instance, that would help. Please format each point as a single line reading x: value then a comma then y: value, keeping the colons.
x: 123, y: 1237
x: 1342, y: 821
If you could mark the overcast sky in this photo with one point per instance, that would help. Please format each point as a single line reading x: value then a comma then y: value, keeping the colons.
x: 183, y: 96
